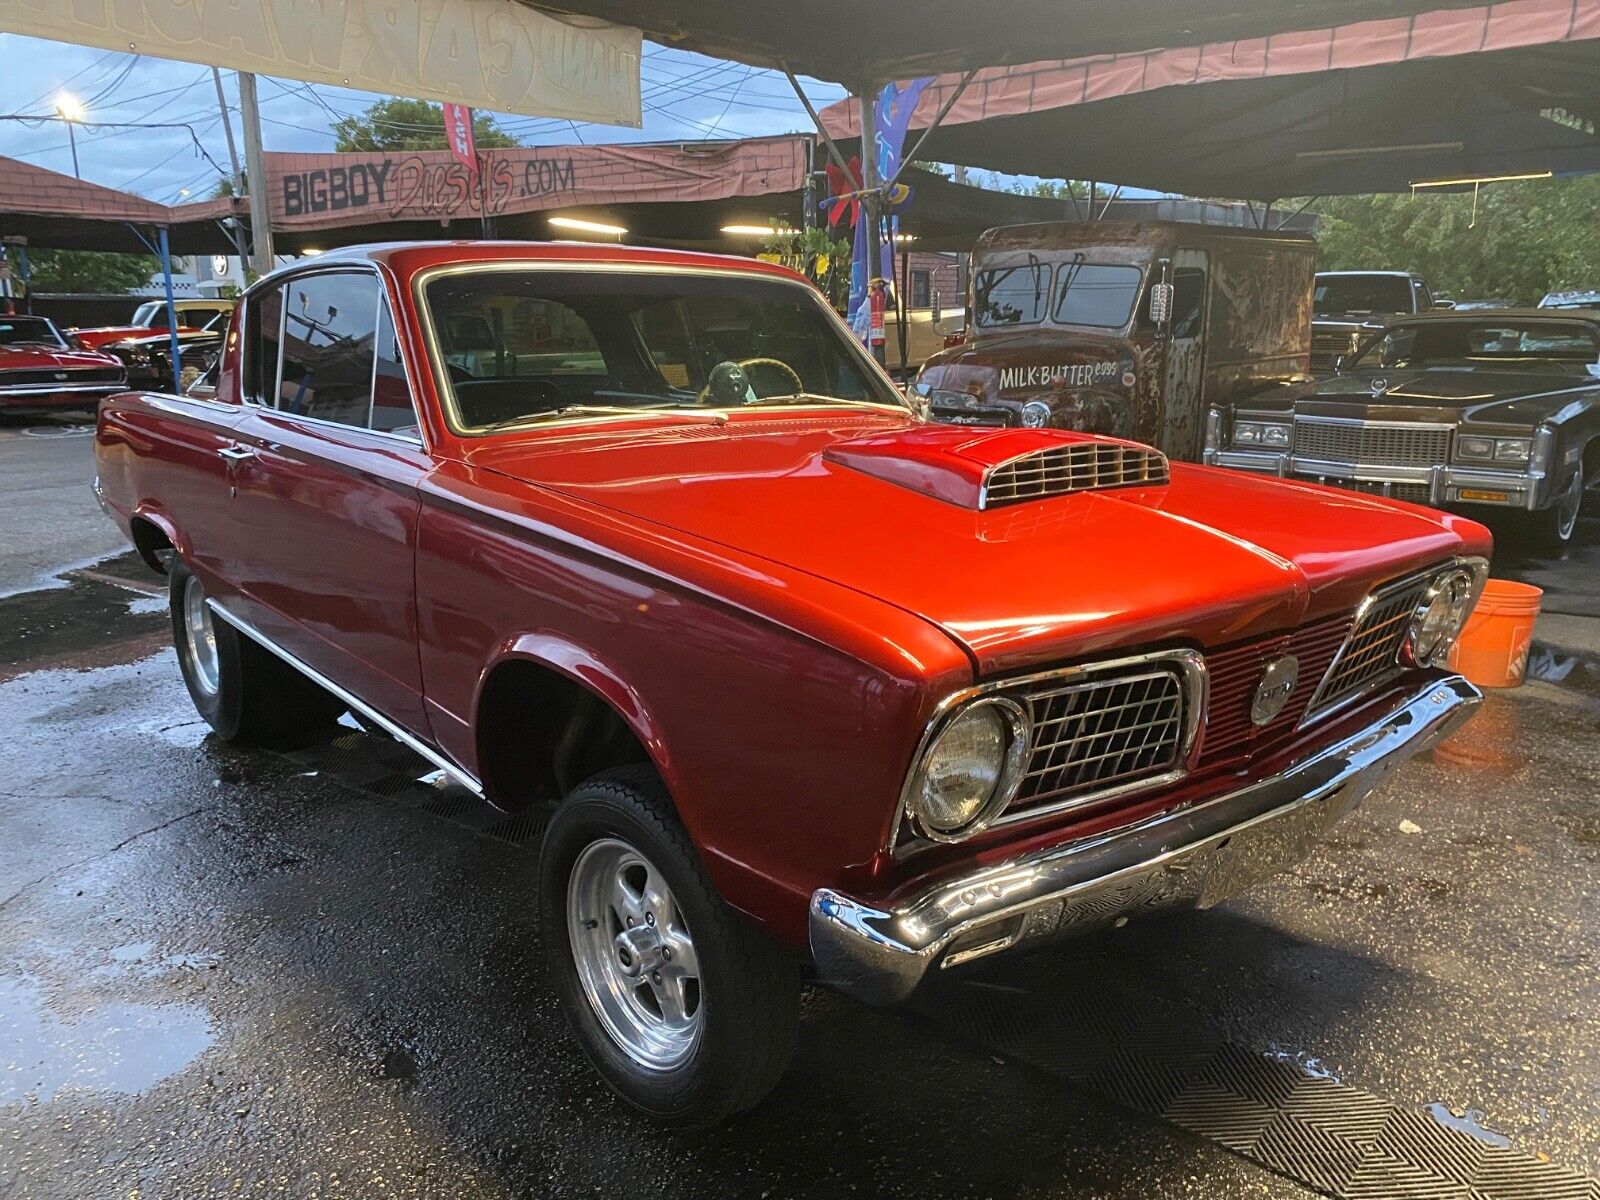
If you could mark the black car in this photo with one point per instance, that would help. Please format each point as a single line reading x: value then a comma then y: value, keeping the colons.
x: 148, y: 357
x: 1479, y: 410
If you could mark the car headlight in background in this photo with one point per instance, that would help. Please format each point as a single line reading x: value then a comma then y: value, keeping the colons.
x: 1443, y: 612
x: 1476, y: 448
x: 1036, y: 414
x: 1261, y: 433
x: 971, y: 770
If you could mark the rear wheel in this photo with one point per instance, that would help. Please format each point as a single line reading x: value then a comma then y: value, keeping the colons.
x: 244, y: 692
x: 684, y: 1008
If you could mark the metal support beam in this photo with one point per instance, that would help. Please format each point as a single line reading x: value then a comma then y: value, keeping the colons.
x: 833, y: 150
x: 235, y: 234
x: 1297, y: 212
x: 944, y: 111
x: 1110, y: 200
x: 261, y: 256
x: 871, y: 200
x: 165, y: 251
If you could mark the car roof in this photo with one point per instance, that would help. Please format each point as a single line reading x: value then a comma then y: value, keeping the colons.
x: 1396, y: 274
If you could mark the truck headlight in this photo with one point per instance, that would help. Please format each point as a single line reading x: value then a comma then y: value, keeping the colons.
x: 1476, y: 448
x: 1260, y: 433
x: 1513, y: 450
x: 1036, y: 414
x: 1439, y: 619
x: 971, y: 770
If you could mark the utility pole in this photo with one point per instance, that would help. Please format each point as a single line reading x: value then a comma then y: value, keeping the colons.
x: 871, y: 201
x: 261, y: 257
x: 234, y: 232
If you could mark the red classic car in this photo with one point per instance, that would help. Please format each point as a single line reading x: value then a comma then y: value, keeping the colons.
x: 151, y: 317
x: 804, y: 682
x: 38, y: 370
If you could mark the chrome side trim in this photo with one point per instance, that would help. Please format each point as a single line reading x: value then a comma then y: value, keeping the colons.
x: 1192, y: 856
x: 1192, y: 666
x: 411, y: 742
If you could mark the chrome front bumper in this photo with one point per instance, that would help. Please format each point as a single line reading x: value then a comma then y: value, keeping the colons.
x: 1523, y: 489
x: 1195, y: 856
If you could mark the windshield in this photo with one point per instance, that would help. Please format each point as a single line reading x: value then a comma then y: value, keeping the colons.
x: 145, y: 315
x: 1015, y: 295
x: 524, y: 344
x: 1096, y: 294
x: 17, y: 331
x: 1564, y: 347
x: 1338, y: 295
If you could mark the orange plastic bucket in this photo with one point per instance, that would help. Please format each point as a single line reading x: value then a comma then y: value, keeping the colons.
x: 1493, y: 650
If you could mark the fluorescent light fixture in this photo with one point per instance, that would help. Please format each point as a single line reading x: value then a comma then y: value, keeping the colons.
x: 1365, y: 151
x: 580, y: 226
x: 309, y: 251
x: 1474, y: 181
x: 760, y: 230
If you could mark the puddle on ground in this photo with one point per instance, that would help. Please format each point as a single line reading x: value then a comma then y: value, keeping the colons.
x: 1470, y: 1122
x: 122, y: 1048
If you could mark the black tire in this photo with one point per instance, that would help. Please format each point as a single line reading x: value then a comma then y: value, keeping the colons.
x: 749, y: 988
x: 256, y: 696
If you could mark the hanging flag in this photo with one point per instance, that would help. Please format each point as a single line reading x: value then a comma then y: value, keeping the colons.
x: 458, y: 132
x: 892, y: 118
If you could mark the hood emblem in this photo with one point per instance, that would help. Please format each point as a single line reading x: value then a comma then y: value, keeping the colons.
x: 61, y: 374
x: 1272, y: 693
x: 1380, y: 386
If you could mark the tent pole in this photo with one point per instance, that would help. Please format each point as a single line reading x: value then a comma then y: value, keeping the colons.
x: 165, y: 250
x: 944, y: 111
x: 903, y: 297
x: 872, y: 202
x: 1297, y: 212
x: 827, y: 139
x: 261, y: 256
x: 235, y: 234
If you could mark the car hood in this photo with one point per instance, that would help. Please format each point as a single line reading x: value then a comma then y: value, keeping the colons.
x: 1515, y: 397
x: 877, y: 503
x: 42, y: 358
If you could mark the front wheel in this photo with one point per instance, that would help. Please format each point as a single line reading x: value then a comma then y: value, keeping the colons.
x: 1551, y: 529
x: 684, y: 1008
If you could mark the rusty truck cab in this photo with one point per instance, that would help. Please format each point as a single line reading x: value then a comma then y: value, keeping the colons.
x: 1131, y: 328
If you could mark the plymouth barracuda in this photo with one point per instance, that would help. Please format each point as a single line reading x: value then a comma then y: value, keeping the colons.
x: 805, y: 683
x: 40, y: 371
x: 1491, y: 411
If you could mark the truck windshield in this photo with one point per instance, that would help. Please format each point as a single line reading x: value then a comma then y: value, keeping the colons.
x: 1340, y: 295
x: 1016, y: 295
x: 1563, y: 347
x: 1097, y: 294
x: 525, y: 344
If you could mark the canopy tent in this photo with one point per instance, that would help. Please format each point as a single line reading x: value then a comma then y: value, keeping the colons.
x: 869, y: 42
x: 1460, y: 93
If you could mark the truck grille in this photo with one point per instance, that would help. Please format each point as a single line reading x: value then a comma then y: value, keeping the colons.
x: 1095, y: 736
x: 1331, y: 345
x: 1083, y: 466
x: 1416, y: 493
x: 1370, y: 444
x: 1372, y: 653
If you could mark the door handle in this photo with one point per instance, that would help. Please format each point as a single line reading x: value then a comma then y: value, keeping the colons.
x: 236, y: 453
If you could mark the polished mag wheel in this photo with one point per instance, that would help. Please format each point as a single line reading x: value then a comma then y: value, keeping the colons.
x: 200, y: 645
x: 634, y: 954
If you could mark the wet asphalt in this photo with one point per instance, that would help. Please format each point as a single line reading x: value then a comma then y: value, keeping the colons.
x: 248, y: 973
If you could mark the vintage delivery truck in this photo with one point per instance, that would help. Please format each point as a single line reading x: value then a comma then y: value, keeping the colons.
x: 1129, y: 328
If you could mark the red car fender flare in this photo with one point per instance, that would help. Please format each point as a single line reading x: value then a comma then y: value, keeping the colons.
x: 147, y: 511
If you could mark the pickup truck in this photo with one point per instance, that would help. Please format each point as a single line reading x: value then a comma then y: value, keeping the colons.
x: 806, y: 685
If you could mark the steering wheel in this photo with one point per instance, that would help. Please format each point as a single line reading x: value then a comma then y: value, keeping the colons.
x: 743, y: 366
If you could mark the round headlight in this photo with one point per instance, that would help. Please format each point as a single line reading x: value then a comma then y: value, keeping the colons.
x: 1435, y: 628
x: 1036, y: 414
x: 971, y: 770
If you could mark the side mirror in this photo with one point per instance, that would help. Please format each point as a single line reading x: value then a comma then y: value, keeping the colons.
x: 1160, y: 303
x: 1338, y: 364
x: 938, y: 308
x: 1444, y: 303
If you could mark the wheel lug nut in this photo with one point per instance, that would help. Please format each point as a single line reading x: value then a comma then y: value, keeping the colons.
x: 630, y: 922
x: 655, y: 976
x: 666, y: 952
x: 650, y: 919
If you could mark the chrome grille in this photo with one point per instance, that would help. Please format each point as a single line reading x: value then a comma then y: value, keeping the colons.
x: 1372, y: 652
x: 1332, y: 344
x: 1095, y: 736
x: 1416, y: 493
x: 1370, y: 444
x: 52, y: 375
x: 1234, y: 672
x: 1082, y: 466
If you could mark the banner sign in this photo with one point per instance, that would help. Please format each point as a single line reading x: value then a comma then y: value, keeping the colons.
x: 891, y: 118
x: 489, y: 54
x: 321, y: 191
x: 458, y: 132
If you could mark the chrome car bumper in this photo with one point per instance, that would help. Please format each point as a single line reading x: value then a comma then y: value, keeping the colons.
x: 1195, y: 856
x: 1445, y: 483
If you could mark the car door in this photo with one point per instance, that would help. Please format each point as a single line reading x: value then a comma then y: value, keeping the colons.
x: 1183, y: 424
x: 326, y: 488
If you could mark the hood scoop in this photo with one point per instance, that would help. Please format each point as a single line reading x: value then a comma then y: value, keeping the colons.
x: 996, y: 468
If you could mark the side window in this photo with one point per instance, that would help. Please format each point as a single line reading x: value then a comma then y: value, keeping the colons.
x: 263, y: 319
x: 1424, y: 298
x: 329, y: 325
x: 1188, y: 302
x: 392, y: 409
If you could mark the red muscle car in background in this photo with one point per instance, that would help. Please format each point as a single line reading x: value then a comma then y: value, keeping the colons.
x: 804, y: 682
x: 39, y: 370
x: 151, y: 317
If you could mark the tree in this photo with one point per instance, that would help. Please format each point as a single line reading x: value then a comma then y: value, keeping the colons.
x: 399, y: 125
x: 1529, y: 237
x: 88, y: 271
